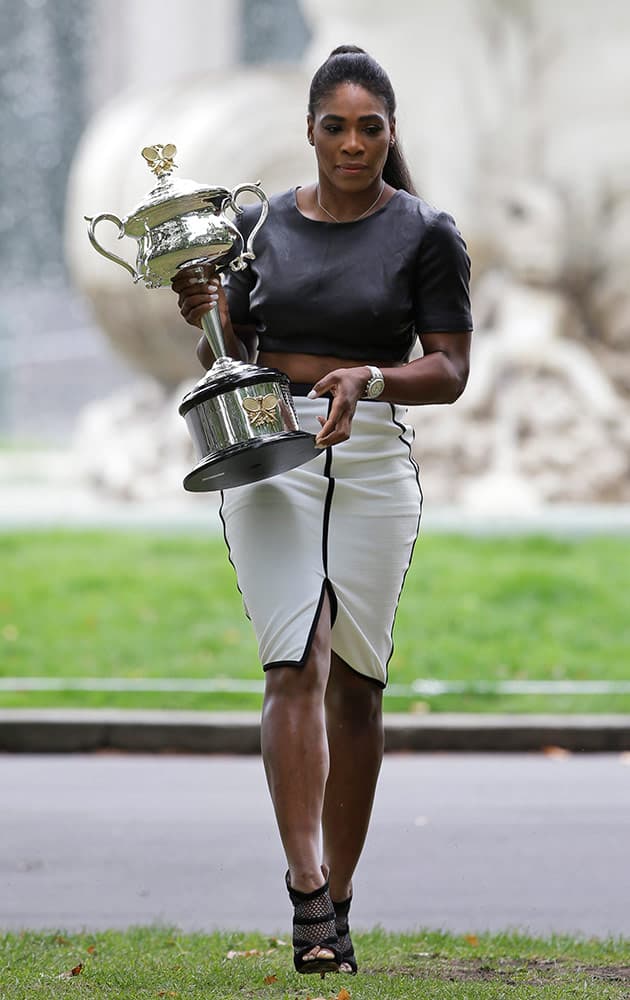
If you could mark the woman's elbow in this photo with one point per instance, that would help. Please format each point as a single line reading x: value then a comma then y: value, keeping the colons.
x: 456, y: 371
x: 459, y: 381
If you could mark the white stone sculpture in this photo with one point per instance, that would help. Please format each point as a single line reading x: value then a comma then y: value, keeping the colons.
x: 222, y: 138
x: 532, y: 374
x: 134, y: 445
x: 524, y: 316
x: 488, y: 92
x: 608, y: 298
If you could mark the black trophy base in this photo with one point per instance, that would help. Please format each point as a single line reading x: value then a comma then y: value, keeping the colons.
x: 251, y: 461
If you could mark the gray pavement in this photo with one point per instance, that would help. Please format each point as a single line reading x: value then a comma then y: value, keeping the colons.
x: 458, y: 842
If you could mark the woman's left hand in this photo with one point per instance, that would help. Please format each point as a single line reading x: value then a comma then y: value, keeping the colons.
x: 346, y: 386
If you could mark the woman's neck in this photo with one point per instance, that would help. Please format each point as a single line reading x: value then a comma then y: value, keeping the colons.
x: 325, y: 203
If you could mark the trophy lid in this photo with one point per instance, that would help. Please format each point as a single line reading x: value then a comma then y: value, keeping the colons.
x: 170, y: 198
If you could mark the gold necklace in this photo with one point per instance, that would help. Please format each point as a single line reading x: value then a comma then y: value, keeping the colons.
x: 363, y: 214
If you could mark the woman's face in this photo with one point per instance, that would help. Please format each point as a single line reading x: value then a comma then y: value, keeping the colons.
x: 352, y: 133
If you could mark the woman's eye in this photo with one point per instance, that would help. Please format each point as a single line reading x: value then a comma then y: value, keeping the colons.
x: 332, y: 128
x: 373, y: 129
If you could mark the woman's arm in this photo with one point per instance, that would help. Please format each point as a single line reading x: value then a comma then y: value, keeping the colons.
x: 196, y: 298
x: 439, y: 376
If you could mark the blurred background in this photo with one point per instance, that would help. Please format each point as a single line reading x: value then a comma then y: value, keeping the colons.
x: 513, y: 115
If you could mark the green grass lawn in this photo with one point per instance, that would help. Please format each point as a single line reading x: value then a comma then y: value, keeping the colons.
x: 125, y: 604
x: 144, y: 963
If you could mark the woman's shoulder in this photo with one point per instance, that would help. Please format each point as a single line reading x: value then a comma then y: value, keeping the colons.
x: 425, y: 215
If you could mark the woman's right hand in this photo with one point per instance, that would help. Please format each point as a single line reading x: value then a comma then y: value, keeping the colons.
x: 199, y: 290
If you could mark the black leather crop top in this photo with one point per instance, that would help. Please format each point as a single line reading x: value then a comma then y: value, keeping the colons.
x: 359, y: 290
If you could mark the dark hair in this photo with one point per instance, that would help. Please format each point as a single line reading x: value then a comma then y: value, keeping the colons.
x: 350, y: 64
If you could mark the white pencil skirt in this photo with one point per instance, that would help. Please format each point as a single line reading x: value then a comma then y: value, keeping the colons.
x: 345, y: 525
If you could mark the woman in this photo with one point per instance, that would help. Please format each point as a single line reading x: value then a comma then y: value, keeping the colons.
x: 348, y: 272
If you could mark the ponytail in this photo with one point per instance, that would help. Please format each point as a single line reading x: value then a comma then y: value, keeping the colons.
x: 396, y: 170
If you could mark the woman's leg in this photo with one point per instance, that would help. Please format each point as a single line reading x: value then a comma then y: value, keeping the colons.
x: 354, y: 724
x: 295, y: 754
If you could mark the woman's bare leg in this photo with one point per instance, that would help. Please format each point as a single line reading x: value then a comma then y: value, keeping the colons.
x: 354, y: 723
x: 295, y: 755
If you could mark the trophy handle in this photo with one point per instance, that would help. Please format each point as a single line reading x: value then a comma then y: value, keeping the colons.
x: 105, y: 253
x: 240, y: 262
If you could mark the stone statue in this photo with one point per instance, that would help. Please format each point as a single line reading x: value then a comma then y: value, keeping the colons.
x: 534, y: 382
x: 530, y: 154
x: 524, y: 317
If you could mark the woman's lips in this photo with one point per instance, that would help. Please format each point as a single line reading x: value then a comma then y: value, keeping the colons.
x: 347, y: 169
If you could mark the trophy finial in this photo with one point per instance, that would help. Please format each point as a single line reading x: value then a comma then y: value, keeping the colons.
x: 160, y: 158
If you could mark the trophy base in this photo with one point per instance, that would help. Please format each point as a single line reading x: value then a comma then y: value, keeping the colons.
x: 251, y: 461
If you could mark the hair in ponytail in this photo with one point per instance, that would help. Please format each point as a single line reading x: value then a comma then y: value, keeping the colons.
x: 351, y: 64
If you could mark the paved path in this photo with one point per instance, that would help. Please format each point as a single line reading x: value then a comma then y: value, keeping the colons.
x: 458, y: 842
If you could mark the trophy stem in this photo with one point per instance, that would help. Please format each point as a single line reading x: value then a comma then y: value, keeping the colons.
x: 213, y: 330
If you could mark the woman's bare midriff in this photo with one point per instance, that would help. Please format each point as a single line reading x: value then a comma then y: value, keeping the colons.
x: 312, y: 367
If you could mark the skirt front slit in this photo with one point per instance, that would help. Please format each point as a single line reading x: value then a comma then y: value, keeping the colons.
x: 345, y: 525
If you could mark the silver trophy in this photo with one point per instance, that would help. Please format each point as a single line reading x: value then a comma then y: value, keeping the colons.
x: 241, y: 417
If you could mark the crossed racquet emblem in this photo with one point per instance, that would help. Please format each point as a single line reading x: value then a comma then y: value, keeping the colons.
x: 160, y: 158
x: 261, y: 408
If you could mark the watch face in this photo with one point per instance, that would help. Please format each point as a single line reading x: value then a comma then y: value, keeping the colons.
x: 375, y: 387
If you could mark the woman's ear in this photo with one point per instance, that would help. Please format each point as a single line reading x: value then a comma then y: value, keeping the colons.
x: 309, y: 130
x: 392, y: 130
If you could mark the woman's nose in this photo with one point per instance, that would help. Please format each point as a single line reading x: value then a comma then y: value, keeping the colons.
x: 352, y: 142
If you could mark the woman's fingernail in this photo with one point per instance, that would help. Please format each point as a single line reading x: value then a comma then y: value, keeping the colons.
x: 312, y: 394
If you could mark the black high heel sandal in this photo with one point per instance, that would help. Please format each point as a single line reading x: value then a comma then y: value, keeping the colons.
x: 348, y: 962
x: 314, y: 926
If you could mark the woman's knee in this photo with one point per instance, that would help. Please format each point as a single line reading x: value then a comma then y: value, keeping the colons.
x: 310, y: 677
x: 352, y: 698
x: 294, y: 683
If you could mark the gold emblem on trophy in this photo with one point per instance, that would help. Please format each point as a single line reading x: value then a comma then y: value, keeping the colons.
x: 261, y: 408
x: 160, y: 158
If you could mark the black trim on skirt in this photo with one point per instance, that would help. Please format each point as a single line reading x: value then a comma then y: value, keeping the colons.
x: 327, y: 587
x: 416, y: 468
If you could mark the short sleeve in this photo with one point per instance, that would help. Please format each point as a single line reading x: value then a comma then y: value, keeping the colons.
x: 238, y: 285
x: 442, y: 293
